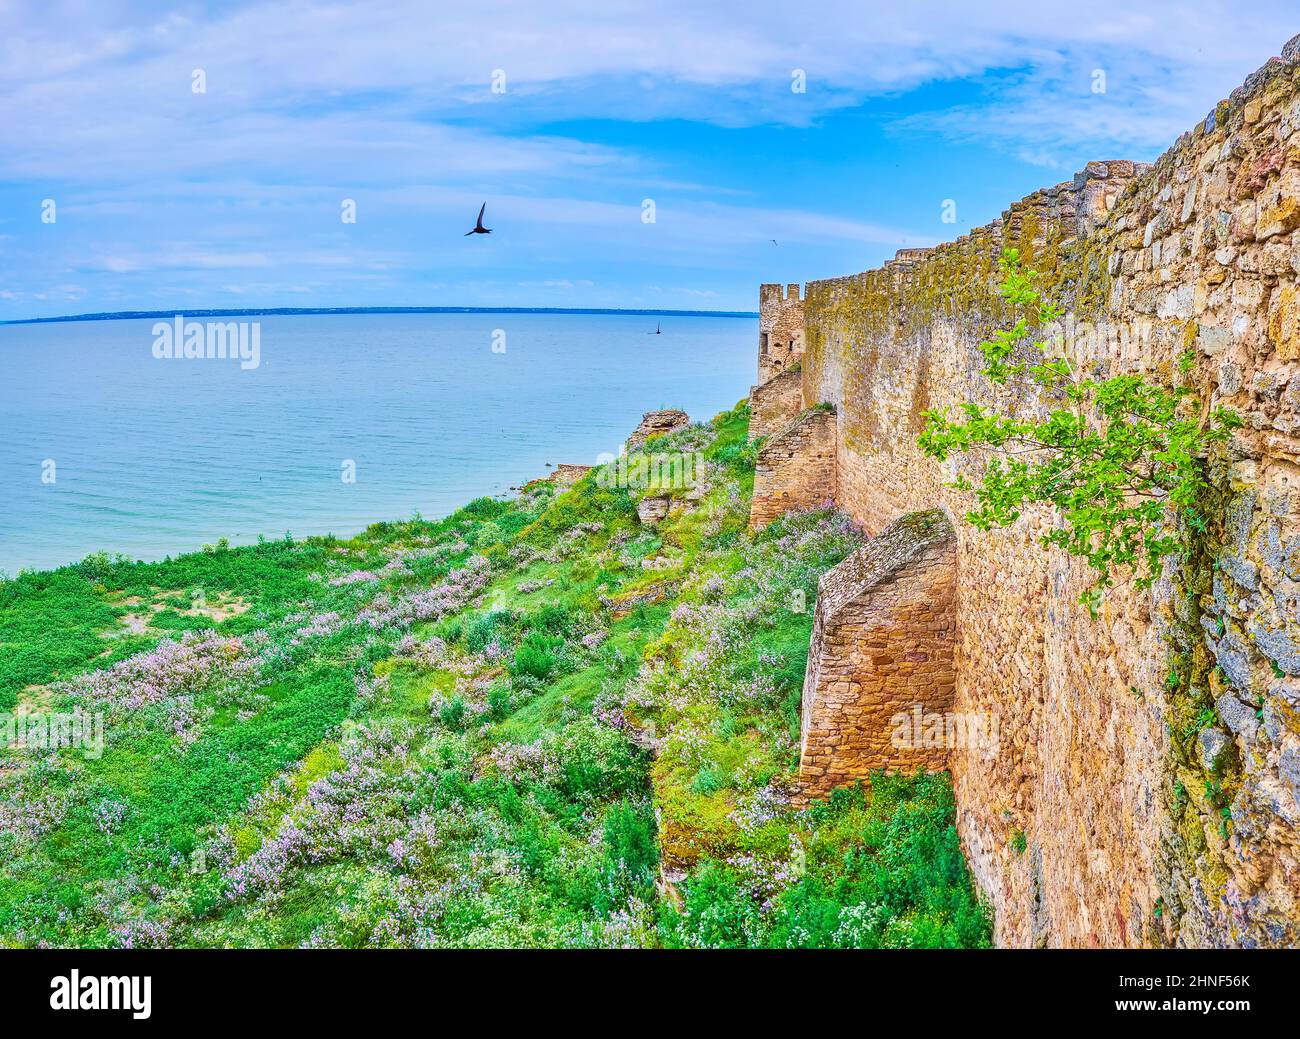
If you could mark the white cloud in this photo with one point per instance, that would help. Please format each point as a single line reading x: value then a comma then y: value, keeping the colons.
x: 388, y: 102
x: 362, y: 87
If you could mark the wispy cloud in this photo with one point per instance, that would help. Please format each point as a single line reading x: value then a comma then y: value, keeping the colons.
x: 390, y: 103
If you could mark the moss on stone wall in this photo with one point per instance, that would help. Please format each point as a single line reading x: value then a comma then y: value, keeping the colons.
x: 1196, y: 792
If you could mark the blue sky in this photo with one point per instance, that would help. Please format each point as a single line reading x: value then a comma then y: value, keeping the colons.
x: 168, y: 199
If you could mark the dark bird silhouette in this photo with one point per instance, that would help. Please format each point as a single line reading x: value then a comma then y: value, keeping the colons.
x: 773, y: 241
x: 478, y: 227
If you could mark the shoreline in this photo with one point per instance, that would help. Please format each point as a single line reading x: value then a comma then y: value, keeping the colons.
x: 144, y: 315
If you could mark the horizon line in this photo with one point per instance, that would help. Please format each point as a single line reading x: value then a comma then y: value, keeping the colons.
x: 127, y: 315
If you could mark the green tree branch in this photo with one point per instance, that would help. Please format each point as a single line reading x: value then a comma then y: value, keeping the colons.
x: 1116, y: 458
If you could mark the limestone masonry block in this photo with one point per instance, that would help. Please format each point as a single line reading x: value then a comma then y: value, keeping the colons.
x: 879, y: 687
x: 566, y: 474
x: 653, y: 510
x: 775, y: 403
x: 796, y: 468
x: 653, y: 423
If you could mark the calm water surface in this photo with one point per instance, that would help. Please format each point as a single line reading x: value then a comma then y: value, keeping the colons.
x: 154, y: 457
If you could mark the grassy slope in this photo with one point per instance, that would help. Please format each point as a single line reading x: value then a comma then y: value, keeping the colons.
x: 476, y: 732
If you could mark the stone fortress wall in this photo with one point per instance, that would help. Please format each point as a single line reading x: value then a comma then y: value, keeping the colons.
x: 1145, y: 787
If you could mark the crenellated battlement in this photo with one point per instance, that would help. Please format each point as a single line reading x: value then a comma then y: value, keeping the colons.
x: 772, y: 293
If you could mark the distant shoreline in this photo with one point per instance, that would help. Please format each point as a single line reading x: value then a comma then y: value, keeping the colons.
x: 128, y: 315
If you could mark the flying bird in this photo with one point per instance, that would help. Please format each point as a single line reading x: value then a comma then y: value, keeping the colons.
x: 478, y: 227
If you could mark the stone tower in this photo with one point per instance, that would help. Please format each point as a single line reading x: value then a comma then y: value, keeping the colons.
x: 780, y: 330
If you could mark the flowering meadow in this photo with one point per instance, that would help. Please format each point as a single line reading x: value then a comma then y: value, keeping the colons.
x: 536, y: 722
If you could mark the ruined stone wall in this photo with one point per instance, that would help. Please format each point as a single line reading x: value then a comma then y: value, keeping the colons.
x: 880, y: 667
x: 656, y: 423
x: 775, y: 403
x: 567, y: 474
x: 796, y: 468
x: 780, y: 330
x: 1147, y: 781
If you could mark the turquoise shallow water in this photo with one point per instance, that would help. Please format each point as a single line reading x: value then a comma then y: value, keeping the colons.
x: 153, y: 457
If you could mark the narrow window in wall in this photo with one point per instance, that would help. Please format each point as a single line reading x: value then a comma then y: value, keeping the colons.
x: 762, y: 343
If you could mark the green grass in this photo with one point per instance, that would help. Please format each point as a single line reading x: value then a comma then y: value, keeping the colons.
x: 471, y: 776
